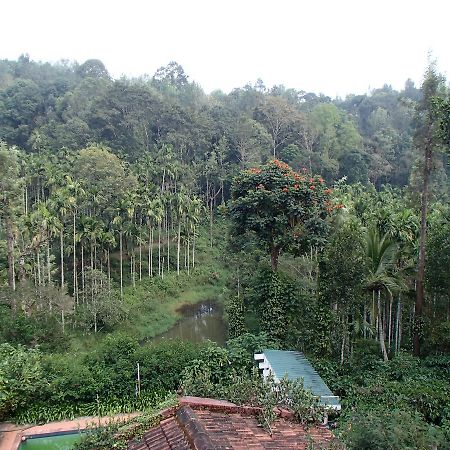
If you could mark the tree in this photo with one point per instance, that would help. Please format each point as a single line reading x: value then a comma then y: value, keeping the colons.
x: 342, y: 272
x: 21, y: 377
x: 10, y: 191
x: 381, y: 253
x: 428, y: 140
x: 285, y: 210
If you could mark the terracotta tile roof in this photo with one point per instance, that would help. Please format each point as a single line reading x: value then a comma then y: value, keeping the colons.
x: 206, y: 424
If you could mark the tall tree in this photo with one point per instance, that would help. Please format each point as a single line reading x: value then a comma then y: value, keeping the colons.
x: 10, y: 193
x: 428, y: 140
x: 284, y: 209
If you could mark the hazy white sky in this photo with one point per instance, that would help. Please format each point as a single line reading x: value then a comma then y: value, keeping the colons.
x: 330, y: 46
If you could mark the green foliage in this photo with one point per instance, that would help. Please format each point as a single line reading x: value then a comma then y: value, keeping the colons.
x: 242, y: 349
x: 118, y: 436
x: 243, y: 388
x: 108, y: 406
x: 235, y: 311
x: 274, y: 296
x: 21, y: 378
x: 391, y: 429
x: 284, y: 209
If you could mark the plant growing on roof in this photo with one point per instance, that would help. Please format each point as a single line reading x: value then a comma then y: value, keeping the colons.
x: 285, y: 209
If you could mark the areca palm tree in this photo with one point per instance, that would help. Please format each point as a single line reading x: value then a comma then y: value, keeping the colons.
x: 381, y: 252
x: 75, y: 196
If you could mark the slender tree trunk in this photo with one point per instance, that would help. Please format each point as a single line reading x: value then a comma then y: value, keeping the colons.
x: 149, y: 267
x: 397, y: 325
x: 62, y: 321
x: 168, y: 242
x: 193, y: 249
x: 420, y: 293
x: 380, y: 328
x: 140, y: 255
x: 188, y: 261
x: 364, y: 321
x: 75, y: 290
x: 83, y: 279
x: 159, y: 249
x: 121, y: 264
x: 178, y: 247
x: 49, y: 271
x: 391, y: 300
x: 61, y: 248
x: 26, y: 200
x: 10, y: 245
x: 133, y: 268
x: 151, y: 253
x: 109, y: 271
x: 38, y: 264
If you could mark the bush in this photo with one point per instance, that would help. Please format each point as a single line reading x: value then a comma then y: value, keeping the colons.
x: 21, y: 377
x: 391, y: 430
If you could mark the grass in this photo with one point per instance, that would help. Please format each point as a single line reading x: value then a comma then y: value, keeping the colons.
x: 152, y: 306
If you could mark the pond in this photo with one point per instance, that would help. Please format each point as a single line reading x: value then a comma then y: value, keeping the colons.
x: 199, y: 322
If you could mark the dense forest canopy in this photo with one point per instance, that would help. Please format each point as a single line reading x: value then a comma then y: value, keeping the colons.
x: 367, y: 138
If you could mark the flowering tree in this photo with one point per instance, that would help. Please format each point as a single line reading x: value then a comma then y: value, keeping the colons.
x: 286, y: 209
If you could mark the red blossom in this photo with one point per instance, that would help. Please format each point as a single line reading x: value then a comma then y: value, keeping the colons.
x: 312, y: 187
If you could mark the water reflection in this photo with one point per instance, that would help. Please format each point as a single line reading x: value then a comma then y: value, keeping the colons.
x: 199, y: 322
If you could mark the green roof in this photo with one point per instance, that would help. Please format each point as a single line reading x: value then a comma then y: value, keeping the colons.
x: 294, y: 365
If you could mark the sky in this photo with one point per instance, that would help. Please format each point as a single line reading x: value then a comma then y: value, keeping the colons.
x: 334, y: 47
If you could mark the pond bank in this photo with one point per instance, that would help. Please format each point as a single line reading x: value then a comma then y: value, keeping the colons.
x: 199, y: 322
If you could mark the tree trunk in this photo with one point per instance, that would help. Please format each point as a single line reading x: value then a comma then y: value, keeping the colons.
x: 121, y: 264
x: 83, y: 279
x: 109, y: 271
x: 49, y: 269
x: 380, y: 329
x: 168, y: 242
x: 178, y: 247
x: 38, y: 264
x: 422, y: 250
x: 274, y: 254
x: 140, y: 255
x: 151, y: 253
x: 75, y: 290
x: 391, y: 300
x: 193, y: 249
x: 61, y: 248
x: 10, y: 244
x: 159, y: 249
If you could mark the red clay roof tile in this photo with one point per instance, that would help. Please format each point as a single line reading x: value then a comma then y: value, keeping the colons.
x: 218, y: 425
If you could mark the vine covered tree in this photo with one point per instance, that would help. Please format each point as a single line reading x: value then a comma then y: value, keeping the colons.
x: 286, y: 210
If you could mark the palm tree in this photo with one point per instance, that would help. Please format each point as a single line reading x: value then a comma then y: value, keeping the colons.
x: 381, y: 252
x: 60, y: 205
x: 181, y: 204
x: 75, y: 196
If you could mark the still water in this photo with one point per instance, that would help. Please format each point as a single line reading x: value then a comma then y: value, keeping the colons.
x: 199, y: 322
x: 55, y: 442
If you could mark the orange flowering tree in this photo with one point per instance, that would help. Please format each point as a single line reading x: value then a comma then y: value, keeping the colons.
x: 285, y: 209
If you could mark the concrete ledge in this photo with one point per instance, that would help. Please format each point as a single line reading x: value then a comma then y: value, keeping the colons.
x: 11, y: 435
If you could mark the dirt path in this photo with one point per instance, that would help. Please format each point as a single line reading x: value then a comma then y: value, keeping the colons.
x: 11, y: 435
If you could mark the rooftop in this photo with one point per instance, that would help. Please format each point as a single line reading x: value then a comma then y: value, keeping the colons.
x: 206, y: 424
x: 294, y: 365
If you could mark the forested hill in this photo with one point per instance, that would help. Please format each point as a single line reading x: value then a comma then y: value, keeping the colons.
x: 45, y: 107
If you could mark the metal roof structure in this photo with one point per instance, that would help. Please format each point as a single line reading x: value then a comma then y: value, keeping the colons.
x: 294, y: 366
